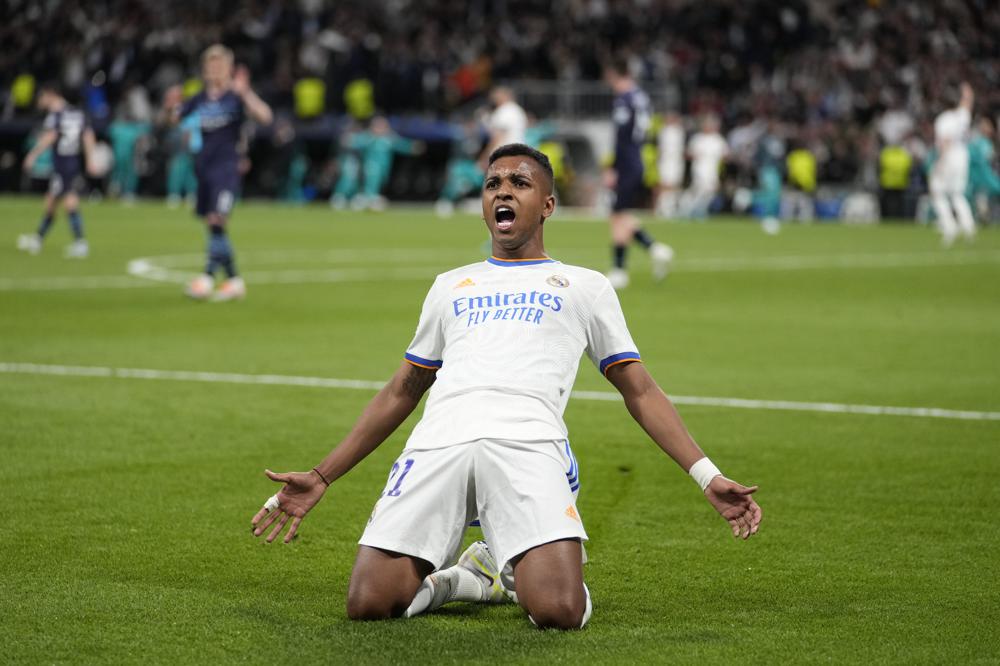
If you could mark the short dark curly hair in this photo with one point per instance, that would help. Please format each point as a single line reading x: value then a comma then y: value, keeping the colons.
x: 520, y: 149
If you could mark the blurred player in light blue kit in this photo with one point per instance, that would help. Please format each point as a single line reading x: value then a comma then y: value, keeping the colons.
x: 984, y: 183
x: 221, y: 109
x: 463, y: 174
x: 184, y: 142
x: 68, y: 133
x: 370, y: 156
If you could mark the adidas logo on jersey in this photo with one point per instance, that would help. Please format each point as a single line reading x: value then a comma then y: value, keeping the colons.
x: 467, y: 282
x: 571, y: 512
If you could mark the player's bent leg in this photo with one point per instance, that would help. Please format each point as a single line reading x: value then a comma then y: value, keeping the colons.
x: 384, y: 583
x: 946, y: 223
x: 963, y: 215
x: 549, y: 583
x: 623, y: 226
x: 78, y: 249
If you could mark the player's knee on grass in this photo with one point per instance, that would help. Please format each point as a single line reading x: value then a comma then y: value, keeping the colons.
x: 366, y: 603
x: 549, y: 582
x: 562, y: 609
x: 383, y: 584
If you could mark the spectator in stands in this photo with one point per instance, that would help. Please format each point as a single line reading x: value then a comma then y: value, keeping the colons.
x: 800, y: 165
x: 894, y: 178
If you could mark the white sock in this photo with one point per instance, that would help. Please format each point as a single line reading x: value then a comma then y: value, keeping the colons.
x: 451, y: 584
x: 589, y: 609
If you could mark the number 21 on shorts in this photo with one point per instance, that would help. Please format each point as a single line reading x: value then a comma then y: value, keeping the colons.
x: 398, y: 473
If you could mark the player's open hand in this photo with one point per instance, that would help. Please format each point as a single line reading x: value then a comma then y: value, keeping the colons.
x: 29, y: 161
x: 241, y: 80
x: 735, y: 504
x: 301, y: 492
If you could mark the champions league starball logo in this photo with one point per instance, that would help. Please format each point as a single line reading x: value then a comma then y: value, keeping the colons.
x: 558, y: 281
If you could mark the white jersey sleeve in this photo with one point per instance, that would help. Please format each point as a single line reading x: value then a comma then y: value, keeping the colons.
x: 51, y: 121
x: 428, y: 342
x: 608, y: 340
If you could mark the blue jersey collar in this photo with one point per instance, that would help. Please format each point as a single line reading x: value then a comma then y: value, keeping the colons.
x: 508, y: 263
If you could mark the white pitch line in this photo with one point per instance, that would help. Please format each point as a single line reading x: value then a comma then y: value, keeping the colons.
x: 367, y: 385
x: 422, y: 265
x: 68, y: 282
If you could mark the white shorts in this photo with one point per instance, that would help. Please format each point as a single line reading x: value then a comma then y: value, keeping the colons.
x: 671, y: 174
x: 950, y: 174
x: 524, y: 494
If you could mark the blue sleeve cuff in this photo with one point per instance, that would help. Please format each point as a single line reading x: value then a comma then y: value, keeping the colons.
x: 422, y: 362
x: 615, y: 359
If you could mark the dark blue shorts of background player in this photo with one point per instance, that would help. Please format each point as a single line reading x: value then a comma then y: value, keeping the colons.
x: 628, y: 191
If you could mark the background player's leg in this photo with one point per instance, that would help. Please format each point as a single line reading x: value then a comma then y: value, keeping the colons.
x: 622, y: 230
x: 51, y: 201
x: 945, y: 219
x: 78, y: 249
x: 72, y: 203
x: 963, y: 213
x: 383, y: 583
x: 220, y: 251
x: 549, y: 583
x: 32, y: 243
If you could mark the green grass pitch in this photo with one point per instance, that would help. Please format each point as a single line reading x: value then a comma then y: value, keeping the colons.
x: 128, y: 500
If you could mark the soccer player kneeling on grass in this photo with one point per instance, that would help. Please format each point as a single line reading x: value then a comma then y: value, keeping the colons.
x: 498, y: 344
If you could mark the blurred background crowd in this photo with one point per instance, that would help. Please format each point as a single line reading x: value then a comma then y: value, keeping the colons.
x: 840, y: 95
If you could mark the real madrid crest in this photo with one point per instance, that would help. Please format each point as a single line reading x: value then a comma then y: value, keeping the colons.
x: 558, y: 281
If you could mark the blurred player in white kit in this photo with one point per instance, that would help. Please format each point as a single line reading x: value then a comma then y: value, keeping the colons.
x: 707, y: 149
x: 671, y: 164
x: 950, y: 174
x: 507, y: 123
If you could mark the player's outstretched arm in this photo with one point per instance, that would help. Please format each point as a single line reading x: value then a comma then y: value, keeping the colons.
x: 652, y: 409
x: 256, y: 107
x: 45, y: 141
x: 303, y: 490
x: 968, y: 96
x: 89, y: 143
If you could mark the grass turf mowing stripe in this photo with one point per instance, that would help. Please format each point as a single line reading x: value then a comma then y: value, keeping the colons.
x: 367, y: 385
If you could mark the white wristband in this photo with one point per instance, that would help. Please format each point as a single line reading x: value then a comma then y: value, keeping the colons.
x: 703, y: 472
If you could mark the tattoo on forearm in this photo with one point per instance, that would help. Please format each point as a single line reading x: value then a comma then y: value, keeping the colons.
x: 417, y: 381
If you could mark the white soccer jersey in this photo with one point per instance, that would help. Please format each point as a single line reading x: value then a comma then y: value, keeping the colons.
x: 509, y: 121
x: 671, y: 164
x: 507, y: 337
x: 707, y: 151
x: 950, y: 173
